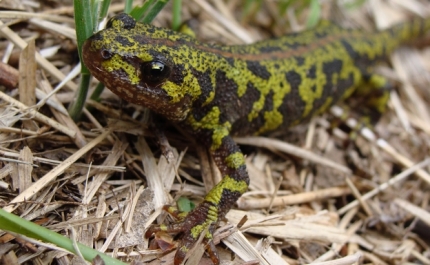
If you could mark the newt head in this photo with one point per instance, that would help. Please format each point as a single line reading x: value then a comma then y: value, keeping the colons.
x: 144, y: 65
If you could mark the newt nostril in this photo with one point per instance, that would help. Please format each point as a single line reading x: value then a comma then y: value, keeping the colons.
x: 106, y: 54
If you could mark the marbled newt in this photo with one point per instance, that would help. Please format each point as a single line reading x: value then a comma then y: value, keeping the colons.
x: 215, y: 91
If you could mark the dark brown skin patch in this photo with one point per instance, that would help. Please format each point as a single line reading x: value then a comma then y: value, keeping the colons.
x: 204, y: 79
x: 258, y: 70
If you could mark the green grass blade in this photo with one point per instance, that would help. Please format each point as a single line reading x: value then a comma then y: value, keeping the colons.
x: 154, y: 10
x: 103, y: 10
x: 314, y: 15
x: 128, y: 6
x: 176, y: 14
x: 84, y: 22
x: 13, y: 223
x: 84, y: 25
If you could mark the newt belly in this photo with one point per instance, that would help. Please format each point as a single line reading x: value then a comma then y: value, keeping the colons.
x: 215, y: 91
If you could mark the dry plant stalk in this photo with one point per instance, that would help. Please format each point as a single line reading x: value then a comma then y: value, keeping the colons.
x: 312, y: 200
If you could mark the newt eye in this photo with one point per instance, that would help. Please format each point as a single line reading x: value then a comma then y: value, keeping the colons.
x: 154, y: 72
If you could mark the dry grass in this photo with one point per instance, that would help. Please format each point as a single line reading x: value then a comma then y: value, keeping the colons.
x: 323, y: 199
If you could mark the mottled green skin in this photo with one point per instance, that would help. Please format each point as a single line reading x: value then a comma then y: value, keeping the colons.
x: 216, y: 91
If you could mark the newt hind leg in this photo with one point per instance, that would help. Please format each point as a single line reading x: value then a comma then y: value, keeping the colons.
x: 189, y: 228
x: 373, y: 96
x: 369, y: 102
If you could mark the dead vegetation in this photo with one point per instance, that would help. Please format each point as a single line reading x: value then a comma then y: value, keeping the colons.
x: 321, y: 198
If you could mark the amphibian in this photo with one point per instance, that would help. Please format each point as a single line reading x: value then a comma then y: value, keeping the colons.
x: 215, y: 91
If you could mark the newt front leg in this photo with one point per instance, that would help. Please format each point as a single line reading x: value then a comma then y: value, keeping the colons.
x: 231, y: 162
